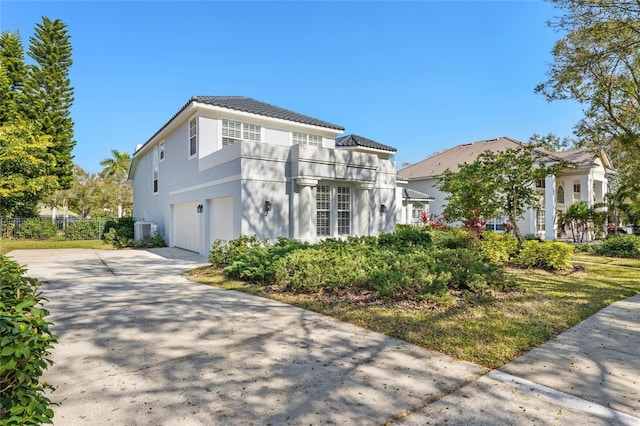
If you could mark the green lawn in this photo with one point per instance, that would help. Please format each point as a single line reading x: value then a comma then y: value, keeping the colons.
x: 8, y: 245
x: 490, y: 331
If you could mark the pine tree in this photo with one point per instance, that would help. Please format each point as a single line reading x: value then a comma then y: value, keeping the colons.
x: 12, y: 74
x: 49, y: 95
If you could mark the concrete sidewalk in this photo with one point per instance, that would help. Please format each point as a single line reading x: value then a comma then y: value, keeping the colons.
x: 138, y: 344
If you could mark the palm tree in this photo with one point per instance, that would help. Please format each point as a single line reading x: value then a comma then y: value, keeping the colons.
x: 115, y: 171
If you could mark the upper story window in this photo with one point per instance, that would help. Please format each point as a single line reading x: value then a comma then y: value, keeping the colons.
x: 576, y: 191
x: 306, y: 139
x: 193, y: 137
x: 161, y: 151
x: 541, y: 184
x: 234, y: 131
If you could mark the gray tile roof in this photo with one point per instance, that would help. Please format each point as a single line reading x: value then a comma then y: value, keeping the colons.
x: 250, y: 105
x: 355, y: 141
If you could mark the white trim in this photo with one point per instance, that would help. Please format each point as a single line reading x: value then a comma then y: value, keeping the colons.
x: 233, y: 178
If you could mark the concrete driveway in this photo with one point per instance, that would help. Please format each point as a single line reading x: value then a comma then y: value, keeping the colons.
x: 140, y: 345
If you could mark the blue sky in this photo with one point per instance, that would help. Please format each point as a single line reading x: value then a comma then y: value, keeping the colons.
x: 419, y: 76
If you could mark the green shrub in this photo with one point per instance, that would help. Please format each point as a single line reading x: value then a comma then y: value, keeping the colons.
x: 156, y: 240
x: 585, y: 248
x: 37, y: 228
x: 224, y: 252
x: 257, y: 264
x: 84, y: 230
x: 120, y: 232
x: 25, y: 342
x: 620, y: 246
x: 410, y: 275
x: 454, y: 238
x: 465, y: 269
x: 406, y: 236
x: 328, y: 266
x: 549, y: 255
x: 498, y: 248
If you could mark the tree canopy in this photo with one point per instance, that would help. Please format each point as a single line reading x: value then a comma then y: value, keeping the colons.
x: 597, y: 63
x: 497, y: 183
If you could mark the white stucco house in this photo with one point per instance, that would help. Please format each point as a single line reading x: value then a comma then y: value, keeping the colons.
x: 586, y: 180
x: 225, y: 166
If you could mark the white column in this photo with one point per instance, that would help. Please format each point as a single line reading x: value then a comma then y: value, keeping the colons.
x: 306, y: 225
x: 364, y: 209
x: 550, y: 207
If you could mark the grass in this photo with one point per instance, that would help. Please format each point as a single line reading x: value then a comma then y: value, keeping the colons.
x: 9, y: 245
x: 491, y: 330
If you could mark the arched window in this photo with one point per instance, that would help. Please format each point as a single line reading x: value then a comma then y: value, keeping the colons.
x: 560, y: 195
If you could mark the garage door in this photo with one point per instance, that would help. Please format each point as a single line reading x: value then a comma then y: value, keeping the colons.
x: 221, y: 219
x: 186, y: 226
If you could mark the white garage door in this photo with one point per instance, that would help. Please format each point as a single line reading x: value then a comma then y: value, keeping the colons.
x: 221, y: 219
x: 186, y: 226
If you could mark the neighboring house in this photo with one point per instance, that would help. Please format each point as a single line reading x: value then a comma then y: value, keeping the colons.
x: 226, y: 166
x: 411, y: 204
x: 585, y: 181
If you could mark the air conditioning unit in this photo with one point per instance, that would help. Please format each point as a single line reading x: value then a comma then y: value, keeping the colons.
x: 144, y: 230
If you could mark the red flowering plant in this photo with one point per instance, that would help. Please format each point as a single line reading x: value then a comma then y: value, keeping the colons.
x: 437, y: 223
x: 475, y: 223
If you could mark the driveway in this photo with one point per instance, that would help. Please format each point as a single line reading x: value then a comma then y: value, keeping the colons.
x: 139, y: 344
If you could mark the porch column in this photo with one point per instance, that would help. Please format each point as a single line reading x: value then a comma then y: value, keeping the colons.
x: 364, y: 208
x: 550, y: 208
x: 305, y: 215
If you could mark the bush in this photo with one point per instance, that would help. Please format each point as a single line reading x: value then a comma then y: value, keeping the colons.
x: 454, y: 238
x: 25, y: 341
x: 406, y: 236
x: 120, y: 232
x: 36, y: 228
x: 620, y: 246
x: 498, y: 248
x: 408, y: 275
x: 549, y: 255
x: 148, y: 242
x: 84, y: 230
x: 224, y: 252
x: 465, y: 269
x: 257, y: 264
x: 328, y: 266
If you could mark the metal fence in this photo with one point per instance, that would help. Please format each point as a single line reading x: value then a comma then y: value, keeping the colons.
x: 49, y: 228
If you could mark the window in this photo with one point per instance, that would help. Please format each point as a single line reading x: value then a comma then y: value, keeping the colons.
x: 323, y: 210
x: 234, y: 131
x: 161, y: 151
x: 576, y: 191
x: 541, y: 184
x: 416, y: 212
x: 155, y: 170
x: 193, y: 137
x: 306, y: 139
x: 540, y: 220
x: 560, y: 195
x: 344, y: 210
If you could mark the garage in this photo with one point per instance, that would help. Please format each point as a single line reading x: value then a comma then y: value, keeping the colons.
x: 186, y: 226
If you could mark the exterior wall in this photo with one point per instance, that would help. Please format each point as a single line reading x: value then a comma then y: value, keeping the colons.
x: 241, y: 177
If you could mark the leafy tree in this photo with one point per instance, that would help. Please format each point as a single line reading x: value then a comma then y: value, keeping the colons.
x: 49, y: 95
x: 115, y: 172
x: 497, y: 183
x: 597, y: 63
x: 24, y: 166
x: 550, y: 142
x: 12, y: 74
